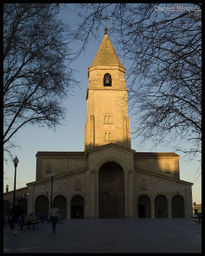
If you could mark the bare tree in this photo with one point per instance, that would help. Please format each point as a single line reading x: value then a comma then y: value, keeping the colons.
x: 161, y: 46
x: 35, y: 77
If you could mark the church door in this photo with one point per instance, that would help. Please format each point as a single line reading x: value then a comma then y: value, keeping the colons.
x: 111, y: 191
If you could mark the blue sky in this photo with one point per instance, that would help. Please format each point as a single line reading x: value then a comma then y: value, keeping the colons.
x: 70, y: 136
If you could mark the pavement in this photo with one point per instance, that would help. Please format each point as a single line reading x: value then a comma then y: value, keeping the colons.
x: 107, y: 236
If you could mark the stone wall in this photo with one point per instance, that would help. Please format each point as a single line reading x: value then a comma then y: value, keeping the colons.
x: 153, y: 185
x: 166, y: 163
x: 59, y: 163
x: 67, y: 185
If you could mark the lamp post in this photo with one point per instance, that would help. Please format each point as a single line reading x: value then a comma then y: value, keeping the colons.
x: 52, y: 175
x: 15, y: 161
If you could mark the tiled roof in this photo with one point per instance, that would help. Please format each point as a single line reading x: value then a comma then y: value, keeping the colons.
x: 106, y: 55
x: 52, y: 153
x: 154, y: 154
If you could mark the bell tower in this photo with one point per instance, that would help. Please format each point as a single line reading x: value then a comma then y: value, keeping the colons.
x: 107, y: 111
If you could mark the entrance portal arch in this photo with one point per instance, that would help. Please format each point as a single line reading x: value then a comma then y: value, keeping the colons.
x: 6, y: 206
x: 41, y: 205
x: 111, y: 191
x: 77, y: 207
x: 144, y: 207
x: 161, y: 207
x: 61, y: 203
x: 178, y: 207
x: 23, y: 202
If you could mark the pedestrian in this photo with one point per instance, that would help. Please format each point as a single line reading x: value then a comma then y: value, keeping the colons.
x: 15, y: 215
x: 54, y: 217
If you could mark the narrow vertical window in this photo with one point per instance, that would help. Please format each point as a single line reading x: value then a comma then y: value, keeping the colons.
x: 106, y: 137
x: 107, y: 119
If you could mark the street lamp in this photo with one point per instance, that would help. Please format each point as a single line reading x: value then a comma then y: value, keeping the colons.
x: 15, y: 161
x: 52, y: 175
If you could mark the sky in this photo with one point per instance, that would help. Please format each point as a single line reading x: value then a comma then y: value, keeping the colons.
x: 70, y: 135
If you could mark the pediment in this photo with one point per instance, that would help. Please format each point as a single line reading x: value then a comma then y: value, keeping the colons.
x: 109, y: 146
x: 111, y: 153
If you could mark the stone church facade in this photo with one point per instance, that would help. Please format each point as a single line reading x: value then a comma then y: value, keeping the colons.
x: 108, y: 179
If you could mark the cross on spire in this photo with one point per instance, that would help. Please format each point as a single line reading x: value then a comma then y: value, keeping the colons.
x: 106, y: 18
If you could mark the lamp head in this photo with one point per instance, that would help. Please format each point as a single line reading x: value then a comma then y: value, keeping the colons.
x: 15, y: 161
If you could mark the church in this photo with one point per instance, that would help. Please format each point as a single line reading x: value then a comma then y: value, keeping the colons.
x: 108, y: 179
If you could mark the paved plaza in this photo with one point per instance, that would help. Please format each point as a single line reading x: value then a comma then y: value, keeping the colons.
x: 108, y: 235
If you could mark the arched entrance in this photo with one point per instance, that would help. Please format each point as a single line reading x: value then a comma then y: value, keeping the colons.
x: 23, y: 204
x: 178, y: 210
x: 41, y: 206
x: 7, y: 206
x: 60, y: 203
x: 161, y: 207
x: 111, y: 191
x: 77, y: 207
x: 144, y: 207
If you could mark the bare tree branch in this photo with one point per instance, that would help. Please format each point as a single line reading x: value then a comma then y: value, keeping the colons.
x: 36, y: 79
x: 162, y: 54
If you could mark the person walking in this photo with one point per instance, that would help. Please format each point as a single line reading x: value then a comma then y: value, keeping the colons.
x: 15, y: 215
x: 54, y: 217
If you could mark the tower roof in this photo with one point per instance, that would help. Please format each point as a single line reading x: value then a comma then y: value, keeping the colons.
x: 106, y: 55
